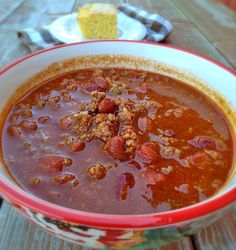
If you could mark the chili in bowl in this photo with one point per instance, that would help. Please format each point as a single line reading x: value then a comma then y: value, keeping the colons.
x: 96, y: 143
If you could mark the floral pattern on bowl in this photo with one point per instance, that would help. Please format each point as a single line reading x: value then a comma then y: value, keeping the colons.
x: 116, y: 239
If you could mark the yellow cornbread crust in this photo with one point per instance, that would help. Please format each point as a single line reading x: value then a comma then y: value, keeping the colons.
x: 98, y: 21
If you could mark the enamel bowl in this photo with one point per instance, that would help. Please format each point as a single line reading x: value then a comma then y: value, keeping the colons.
x: 123, y: 231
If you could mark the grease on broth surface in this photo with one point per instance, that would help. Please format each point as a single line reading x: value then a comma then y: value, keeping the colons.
x: 117, y: 141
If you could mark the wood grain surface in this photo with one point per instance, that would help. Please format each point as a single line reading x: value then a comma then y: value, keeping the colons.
x: 207, y: 27
x: 17, y: 233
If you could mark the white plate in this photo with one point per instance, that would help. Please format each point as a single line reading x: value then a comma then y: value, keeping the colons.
x: 66, y: 28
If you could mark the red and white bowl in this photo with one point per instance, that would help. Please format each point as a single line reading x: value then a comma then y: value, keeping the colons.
x: 121, y: 231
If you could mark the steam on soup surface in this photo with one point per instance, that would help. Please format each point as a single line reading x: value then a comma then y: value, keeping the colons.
x: 117, y: 141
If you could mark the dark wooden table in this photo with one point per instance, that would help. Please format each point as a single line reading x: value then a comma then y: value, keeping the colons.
x: 204, y: 26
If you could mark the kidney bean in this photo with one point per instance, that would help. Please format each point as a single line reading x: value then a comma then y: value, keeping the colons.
x: 90, y: 87
x: 148, y: 151
x: 115, y: 147
x: 44, y: 119
x: 152, y: 176
x: 203, y: 142
x: 199, y: 158
x: 126, y: 181
x: 77, y: 146
x: 208, y: 142
x: 14, y: 130
x: 66, y: 122
x: 54, y: 164
x: 134, y: 164
x: 107, y: 105
x: 145, y: 124
x: 28, y: 125
x: 97, y: 172
x: 102, y: 83
x: 99, y: 84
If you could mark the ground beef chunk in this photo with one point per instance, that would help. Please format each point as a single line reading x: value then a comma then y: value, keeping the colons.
x: 139, y: 108
x: 177, y: 112
x: 125, y: 115
x: 97, y: 171
x: 169, y: 152
x: 92, y: 106
x: 72, y: 85
x: 127, y: 110
x: 164, y: 140
x: 40, y: 104
x: 105, y: 127
x: 152, y: 104
x: 131, y: 139
x: 152, y: 107
x: 89, y: 124
x: 104, y: 131
x: 82, y: 122
x: 66, y: 121
x: 66, y: 97
x: 97, y: 96
x: 98, y: 84
x: 53, y: 100
x: 79, y: 122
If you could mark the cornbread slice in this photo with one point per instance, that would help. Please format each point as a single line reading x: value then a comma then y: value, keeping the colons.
x: 98, y: 21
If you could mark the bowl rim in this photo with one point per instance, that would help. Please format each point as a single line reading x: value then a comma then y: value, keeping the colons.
x: 21, y: 198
